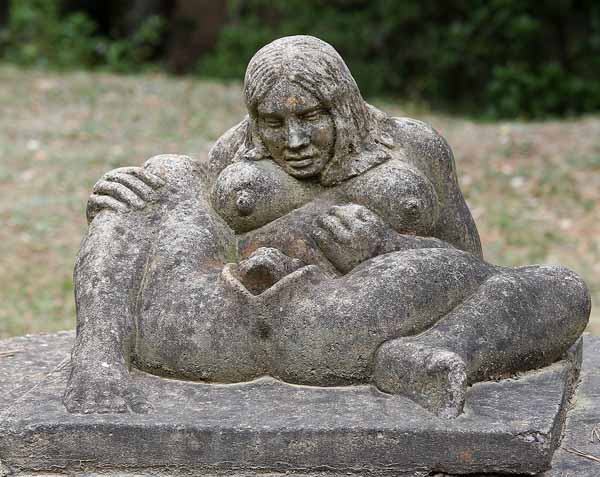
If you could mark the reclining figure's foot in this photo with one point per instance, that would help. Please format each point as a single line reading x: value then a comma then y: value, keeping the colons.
x: 103, y: 388
x: 434, y: 378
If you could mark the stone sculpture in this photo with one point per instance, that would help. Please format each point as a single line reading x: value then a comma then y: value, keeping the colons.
x: 322, y: 243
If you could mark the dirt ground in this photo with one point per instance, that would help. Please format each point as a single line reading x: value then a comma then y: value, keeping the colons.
x: 534, y: 188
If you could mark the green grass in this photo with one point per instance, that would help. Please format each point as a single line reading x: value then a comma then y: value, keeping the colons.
x: 534, y: 188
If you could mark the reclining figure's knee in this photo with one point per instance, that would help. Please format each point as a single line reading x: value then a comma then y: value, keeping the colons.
x: 570, y: 293
x: 172, y: 166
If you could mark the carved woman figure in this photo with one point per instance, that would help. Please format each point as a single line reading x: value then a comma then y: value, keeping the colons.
x: 323, y: 243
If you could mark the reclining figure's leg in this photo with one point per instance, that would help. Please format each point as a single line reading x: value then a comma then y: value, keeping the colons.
x: 109, y: 274
x: 518, y: 320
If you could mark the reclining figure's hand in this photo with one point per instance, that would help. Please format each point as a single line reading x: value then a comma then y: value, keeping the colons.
x: 123, y: 189
x: 349, y: 234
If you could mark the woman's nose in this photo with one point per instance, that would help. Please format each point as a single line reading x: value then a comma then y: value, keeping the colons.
x: 297, y: 136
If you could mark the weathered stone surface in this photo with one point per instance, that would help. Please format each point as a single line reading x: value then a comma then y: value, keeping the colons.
x: 269, y: 426
x: 323, y: 243
x: 582, y: 427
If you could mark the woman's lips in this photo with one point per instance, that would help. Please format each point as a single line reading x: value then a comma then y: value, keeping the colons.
x: 300, y: 162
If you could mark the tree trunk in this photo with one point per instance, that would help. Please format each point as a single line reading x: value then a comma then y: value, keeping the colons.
x: 195, y: 26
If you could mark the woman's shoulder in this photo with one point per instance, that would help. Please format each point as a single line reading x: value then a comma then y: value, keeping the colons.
x: 413, y: 131
x: 420, y: 144
x: 224, y: 151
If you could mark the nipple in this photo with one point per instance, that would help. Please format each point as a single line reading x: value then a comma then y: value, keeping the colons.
x: 245, y: 203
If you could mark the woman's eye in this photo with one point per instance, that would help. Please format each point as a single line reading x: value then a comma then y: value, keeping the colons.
x: 313, y: 115
x: 272, y: 122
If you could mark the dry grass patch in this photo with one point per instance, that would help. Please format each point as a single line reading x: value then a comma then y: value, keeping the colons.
x: 534, y: 188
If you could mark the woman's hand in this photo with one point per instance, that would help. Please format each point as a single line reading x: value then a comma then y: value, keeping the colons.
x: 123, y: 189
x: 349, y: 234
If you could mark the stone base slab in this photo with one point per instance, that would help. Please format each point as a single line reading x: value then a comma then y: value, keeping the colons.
x: 511, y: 426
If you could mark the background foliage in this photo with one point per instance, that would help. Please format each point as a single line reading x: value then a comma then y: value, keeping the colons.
x: 39, y: 33
x: 494, y: 58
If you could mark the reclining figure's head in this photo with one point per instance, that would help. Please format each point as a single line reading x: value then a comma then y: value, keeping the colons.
x: 305, y: 110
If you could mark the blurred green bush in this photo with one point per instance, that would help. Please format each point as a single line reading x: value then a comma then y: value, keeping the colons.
x: 497, y: 58
x: 489, y: 58
x: 35, y: 35
x: 39, y: 34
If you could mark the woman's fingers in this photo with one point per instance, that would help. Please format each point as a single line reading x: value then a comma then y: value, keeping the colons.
x: 138, y: 180
x: 335, y: 227
x: 343, y: 215
x: 122, y: 188
x: 120, y: 192
x: 367, y: 215
x: 152, y: 180
x: 351, y: 216
x: 96, y: 203
x: 139, y: 187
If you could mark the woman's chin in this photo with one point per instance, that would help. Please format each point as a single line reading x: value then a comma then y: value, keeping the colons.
x: 304, y: 172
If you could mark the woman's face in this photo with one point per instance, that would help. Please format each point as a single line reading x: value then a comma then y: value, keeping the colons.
x: 297, y: 130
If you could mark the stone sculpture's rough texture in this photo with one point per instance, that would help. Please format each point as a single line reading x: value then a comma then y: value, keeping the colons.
x: 268, y: 426
x: 322, y: 243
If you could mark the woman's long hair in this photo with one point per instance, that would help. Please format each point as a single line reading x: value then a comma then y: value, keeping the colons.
x: 361, y: 141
